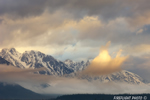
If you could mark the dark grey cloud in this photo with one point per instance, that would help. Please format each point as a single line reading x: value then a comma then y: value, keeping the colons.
x: 77, y: 9
x: 22, y: 8
x: 106, y: 9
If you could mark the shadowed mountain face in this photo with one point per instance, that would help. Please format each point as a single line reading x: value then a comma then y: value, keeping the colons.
x: 13, y: 91
x: 3, y: 61
x: 69, y: 68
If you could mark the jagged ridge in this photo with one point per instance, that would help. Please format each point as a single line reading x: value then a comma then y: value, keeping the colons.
x: 36, y: 59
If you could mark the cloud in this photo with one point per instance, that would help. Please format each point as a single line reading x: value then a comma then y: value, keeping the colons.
x: 139, y: 31
x: 63, y: 85
x: 134, y: 11
x: 73, y: 21
x: 19, y: 8
x: 13, y: 74
x: 104, y: 63
x: 44, y: 32
x: 116, y: 30
x: 138, y: 49
x: 41, y: 30
x: 139, y: 20
x: 76, y: 86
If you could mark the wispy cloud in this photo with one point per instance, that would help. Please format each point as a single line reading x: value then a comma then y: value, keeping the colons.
x: 64, y: 85
x: 104, y: 63
x: 9, y: 73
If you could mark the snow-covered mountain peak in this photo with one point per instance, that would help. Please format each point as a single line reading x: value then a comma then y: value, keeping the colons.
x: 68, y: 61
x: 122, y: 76
x: 125, y: 76
x: 12, y: 56
x: 33, y: 53
x: 10, y: 51
x: 77, y: 66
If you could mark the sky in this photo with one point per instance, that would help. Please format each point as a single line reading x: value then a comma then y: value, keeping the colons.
x: 76, y: 29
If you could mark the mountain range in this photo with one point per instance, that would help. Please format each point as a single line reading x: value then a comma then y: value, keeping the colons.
x: 36, y: 59
x: 15, y: 91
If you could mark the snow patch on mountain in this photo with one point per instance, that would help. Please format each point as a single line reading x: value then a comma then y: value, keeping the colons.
x: 77, y: 66
x: 12, y: 56
x: 36, y: 59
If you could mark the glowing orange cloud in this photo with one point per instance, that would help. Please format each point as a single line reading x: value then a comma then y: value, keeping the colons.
x: 104, y: 63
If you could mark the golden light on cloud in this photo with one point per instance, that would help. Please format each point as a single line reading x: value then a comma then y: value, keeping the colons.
x: 104, y: 63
